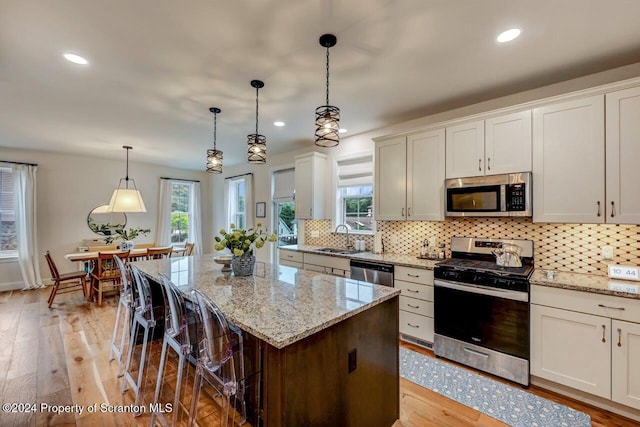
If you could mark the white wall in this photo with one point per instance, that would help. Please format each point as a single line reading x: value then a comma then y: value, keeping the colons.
x: 69, y: 186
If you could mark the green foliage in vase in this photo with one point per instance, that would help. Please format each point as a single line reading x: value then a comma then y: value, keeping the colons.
x: 132, y: 233
x: 240, y: 241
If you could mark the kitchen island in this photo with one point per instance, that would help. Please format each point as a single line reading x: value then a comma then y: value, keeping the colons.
x: 324, y: 349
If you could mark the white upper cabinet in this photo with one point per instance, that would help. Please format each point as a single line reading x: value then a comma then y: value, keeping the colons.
x: 390, y: 190
x: 310, y: 177
x: 425, y: 176
x: 622, y: 156
x: 490, y: 147
x: 465, y: 150
x: 507, y: 144
x: 409, y: 177
x: 568, y: 162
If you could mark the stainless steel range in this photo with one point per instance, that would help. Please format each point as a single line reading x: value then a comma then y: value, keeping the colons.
x: 481, y: 309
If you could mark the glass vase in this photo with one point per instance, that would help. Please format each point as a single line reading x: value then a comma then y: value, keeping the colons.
x: 243, y: 265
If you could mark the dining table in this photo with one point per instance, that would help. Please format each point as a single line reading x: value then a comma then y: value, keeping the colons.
x: 93, y: 255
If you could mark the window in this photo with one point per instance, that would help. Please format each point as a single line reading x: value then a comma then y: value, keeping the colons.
x: 181, y: 211
x: 354, y: 198
x: 285, y: 222
x: 239, y: 196
x: 8, y: 237
x: 238, y: 205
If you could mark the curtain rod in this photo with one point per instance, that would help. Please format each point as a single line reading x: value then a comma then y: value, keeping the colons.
x: 19, y: 163
x: 179, y: 179
x: 238, y: 176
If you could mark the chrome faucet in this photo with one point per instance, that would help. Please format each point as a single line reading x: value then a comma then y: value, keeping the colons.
x: 348, y: 243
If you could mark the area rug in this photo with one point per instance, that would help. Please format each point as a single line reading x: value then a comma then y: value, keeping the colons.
x: 510, y: 405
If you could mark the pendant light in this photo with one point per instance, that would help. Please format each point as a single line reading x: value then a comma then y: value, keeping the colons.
x: 214, y: 157
x: 257, y: 144
x: 125, y: 199
x: 327, y: 116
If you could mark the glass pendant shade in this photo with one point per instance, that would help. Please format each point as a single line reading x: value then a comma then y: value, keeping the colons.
x: 256, y: 143
x: 327, y: 116
x: 327, y: 126
x: 125, y: 199
x: 214, y: 157
x: 214, y: 161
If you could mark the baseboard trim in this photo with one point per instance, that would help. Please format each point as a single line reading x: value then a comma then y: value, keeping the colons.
x: 590, y: 399
x: 11, y: 286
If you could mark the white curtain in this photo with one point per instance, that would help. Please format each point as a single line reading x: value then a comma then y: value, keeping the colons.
x: 163, y: 229
x: 231, y: 197
x: 250, y: 207
x: 24, y: 205
x: 195, y: 231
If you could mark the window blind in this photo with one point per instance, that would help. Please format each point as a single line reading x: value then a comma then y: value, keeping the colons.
x: 283, y: 185
x: 355, y: 171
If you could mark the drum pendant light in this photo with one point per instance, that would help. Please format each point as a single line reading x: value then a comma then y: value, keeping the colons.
x: 327, y: 116
x: 125, y: 199
x: 214, y: 157
x: 257, y: 144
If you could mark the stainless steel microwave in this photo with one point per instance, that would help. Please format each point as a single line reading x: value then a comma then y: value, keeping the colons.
x: 491, y: 195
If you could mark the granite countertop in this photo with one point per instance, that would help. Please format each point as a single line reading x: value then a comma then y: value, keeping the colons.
x: 395, y: 259
x: 574, y: 281
x: 587, y: 283
x: 279, y: 305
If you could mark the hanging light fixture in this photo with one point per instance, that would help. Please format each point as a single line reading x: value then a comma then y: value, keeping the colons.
x: 257, y: 144
x: 327, y: 116
x: 214, y: 157
x: 125, y: 199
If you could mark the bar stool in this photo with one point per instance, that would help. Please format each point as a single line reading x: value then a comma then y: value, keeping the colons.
x: 176, y: 337
x: 125, y: 304
x: 144, y: 318
x: 216, y: 359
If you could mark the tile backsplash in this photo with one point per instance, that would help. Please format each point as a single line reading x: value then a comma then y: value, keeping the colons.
x: 561, y: 247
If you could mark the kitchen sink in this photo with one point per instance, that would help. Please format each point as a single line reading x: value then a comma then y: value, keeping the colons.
x: 340, y: 251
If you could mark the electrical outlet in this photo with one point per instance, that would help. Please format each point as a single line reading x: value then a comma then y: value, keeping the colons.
x: 394, y: 239
x: 432, y: 241
x: 607, y: 252
x: 315, y: 233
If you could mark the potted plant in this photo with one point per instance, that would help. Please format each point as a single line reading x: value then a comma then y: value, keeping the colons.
x: 242, y: 244
x: 128, y: 236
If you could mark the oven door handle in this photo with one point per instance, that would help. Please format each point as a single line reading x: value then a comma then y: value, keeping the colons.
x: 483, y: 290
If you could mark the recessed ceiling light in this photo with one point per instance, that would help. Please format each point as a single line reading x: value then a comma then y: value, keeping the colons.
x: 507, y: 36
x: 342, y: 131
x: 279, y: 124
x: 76, y: 59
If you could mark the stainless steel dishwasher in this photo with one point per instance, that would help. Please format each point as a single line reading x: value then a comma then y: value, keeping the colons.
x: 373, y: 272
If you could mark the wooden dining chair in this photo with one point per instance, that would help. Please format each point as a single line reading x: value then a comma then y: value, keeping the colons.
x: 189, y: 248
x: 72, y: 281
x: 158, y: 253
x: 106, y: 273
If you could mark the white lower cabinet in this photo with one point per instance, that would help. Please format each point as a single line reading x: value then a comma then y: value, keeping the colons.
x: 625, y: 363
x: 589, y: 342
x: 334, y: 266
x: 290, y: 258
x: 416, y: 302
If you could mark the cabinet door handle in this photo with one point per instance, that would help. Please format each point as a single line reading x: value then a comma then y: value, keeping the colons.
x: 408, y: 211
x: 402, y: 211
x: 415, y: 292
x: 413, y: 275
x: 413, y: 326
x: 604, y: 329
x: 619, y: 337
x: 417, y: 306
x: 598, y: 207
x: 613, y: 209
x: 612, y: 308
x: 488, y: 163
x: 480, y: 165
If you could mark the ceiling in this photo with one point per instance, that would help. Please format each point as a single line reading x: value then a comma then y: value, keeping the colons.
x: 156, y: 66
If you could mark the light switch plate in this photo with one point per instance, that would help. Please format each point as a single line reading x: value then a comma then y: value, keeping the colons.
x: 624, y: 272
x: 315, y: 233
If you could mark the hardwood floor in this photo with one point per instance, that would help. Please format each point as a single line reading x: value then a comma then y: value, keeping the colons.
x: 59, y: 356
